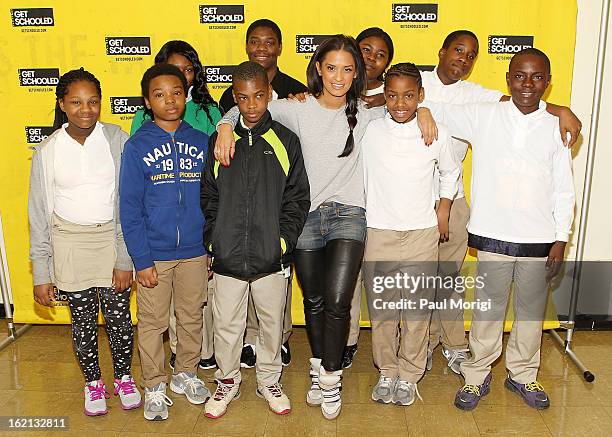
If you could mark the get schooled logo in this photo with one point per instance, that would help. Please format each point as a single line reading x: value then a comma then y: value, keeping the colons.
x: 126, y: 106
x: 35, y: 134
x: 32, y: 19
x: 308, y: 43
x: 221, y: 14
x: 414, y: 13
x: 219, y: 75
x: 38, y: 79
x: 128, y: 48
x: 509, y: 44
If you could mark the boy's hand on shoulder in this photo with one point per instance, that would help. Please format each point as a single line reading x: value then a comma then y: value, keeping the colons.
x: 209, y: 266
x: 147, y: 277
x: 298, y: 97
x: 225, y: 145
x: 569, y: 124
x: 443, y: 214
x: 43, y: 294
x: 555, y: 259
x: 427, y: 125
x: 374, y: 101
x: 122, y: 280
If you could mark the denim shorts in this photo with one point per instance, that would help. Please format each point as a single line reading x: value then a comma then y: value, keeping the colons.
x: 332, y: 221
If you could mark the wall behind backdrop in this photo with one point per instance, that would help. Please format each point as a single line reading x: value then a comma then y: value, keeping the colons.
x: 117, y: 41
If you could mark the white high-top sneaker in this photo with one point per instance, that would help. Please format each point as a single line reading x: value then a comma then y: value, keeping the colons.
x: 277, y: 400
x: 95, y: 398
x: 314, y: 397
x: 330, y: 383
x: 227, y: 391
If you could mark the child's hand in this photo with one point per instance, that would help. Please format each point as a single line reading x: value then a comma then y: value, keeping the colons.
x: 443, y: 214
x: 225, y: 145
x: 43, y: 294
x: 147, y: 277
x: 298, y: 97
x: 427, y: 125
x: 555, y: 259
x: 122, y: 280
x: 374, y: 101
x: 208, y: 266
x: 569, y: 124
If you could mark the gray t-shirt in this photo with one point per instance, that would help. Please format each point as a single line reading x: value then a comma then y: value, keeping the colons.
x: 323, y: 133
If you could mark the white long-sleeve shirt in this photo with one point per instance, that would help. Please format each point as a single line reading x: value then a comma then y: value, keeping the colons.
x: 458, y: 93
x: 522, y: 185
x: 398, y: 170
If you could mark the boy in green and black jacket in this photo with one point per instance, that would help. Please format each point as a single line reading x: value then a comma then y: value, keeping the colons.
x: 255, y: 210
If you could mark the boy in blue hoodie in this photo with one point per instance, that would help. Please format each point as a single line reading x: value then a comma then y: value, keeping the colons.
x: 160, y: 205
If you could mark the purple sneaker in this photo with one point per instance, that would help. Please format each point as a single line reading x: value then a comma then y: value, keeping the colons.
x: 468, y: 396
x: 532, y: 393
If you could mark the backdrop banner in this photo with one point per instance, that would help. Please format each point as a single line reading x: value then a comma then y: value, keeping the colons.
x: 118, y: 40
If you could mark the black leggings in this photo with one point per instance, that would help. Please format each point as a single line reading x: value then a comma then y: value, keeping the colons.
x: 328, y: 277
x: 116, y: 310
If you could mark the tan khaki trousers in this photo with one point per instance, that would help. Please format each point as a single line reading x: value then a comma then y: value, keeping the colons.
x: 229, y: 307
x: 207, y: 330
x: 529, y: 301
x: 353, y: 336
x: 186, y: 281
x: 447, y: 324
x: 400, y: 351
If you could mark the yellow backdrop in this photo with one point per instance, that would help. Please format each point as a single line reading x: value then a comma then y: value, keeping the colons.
x: 117, y: 41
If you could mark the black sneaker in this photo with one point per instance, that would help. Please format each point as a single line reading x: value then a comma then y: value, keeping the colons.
x: 286, y: 354
x: 172, y: 360
x: 348, y: 355
x: 208, y: 363
x: 247, y: 357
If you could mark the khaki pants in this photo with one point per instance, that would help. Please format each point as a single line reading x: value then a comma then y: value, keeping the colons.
x: 355, y: 312
x: 447, y: 324
x: 400, y: 350
x: 252, y: 327
x: 269, y: 295
x: 186, y: 281
x: 207, y: 330
x: 530, y: 296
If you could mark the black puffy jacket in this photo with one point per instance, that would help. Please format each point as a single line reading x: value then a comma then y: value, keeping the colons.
x: 255, y: 209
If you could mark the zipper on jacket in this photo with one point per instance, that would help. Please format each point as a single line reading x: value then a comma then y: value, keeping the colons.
x: 246, y: 221
x: 178, y: 184
x: 250, y: 138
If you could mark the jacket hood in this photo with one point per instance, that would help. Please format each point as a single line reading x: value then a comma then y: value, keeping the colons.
x: 259, y: 129
x: 149, y: 127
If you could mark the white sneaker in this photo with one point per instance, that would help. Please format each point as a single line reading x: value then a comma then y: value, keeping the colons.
x: 128, y: 393
x: 455, y: 357
x: 188, y: 384
x: 314, y: 397
x: 227, y: 391
x: 156, y: 402
x: 95, y: 398
x: 405, y: 393
x: 383, y: 390
x: 330, y: 383
x: 278, y: 401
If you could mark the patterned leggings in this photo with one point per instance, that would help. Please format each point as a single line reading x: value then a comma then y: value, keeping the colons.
x: 116, y: 310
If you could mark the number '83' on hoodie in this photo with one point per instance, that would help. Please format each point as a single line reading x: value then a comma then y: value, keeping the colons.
x: 159, y: 189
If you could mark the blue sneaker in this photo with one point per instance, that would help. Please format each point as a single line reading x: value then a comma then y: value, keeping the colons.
x: 532, y: 393
x: 469, y: 395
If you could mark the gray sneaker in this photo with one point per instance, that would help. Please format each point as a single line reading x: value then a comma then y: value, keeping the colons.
x: 188, y: 384
x: 156, y: 402
x: 383, y: 390
x: 455, y: 357
x: 405, y: 393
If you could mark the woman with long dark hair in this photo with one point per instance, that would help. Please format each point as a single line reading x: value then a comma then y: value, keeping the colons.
x: 330, y: 124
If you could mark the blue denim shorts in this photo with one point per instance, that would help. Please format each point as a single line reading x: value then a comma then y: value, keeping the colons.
x: 332, y: 221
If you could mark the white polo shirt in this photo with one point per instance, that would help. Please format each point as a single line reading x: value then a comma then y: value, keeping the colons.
x: 522, y: 185
x: 84, y: 178
x: 398, y: 169
x: 458, y: 93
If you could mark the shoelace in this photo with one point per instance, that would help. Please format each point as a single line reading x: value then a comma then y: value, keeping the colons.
x: 158, y: 397
x: 127, y: 387
x: 534, y: 386
x: 275, y: 389
x: 194, y: 383
x: 457, y: 354
x: 222, y: 390
x: 473, y: 389
x: 407, y: 386
x: 385, y: 381
x: 97, y: 392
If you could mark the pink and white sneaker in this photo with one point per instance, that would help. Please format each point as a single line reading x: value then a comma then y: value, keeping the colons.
x: 95, y: 398
x: 128, y: 393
